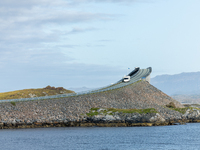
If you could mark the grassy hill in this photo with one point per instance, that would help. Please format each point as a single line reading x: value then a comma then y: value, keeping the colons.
x: 27, y: 93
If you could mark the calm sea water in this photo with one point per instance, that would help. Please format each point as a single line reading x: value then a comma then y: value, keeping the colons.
x: 103, y: 138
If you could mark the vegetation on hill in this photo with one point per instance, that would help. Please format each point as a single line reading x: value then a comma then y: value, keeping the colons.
x: 171, y: 105
x: 110, y: 111
x: 28, y: 93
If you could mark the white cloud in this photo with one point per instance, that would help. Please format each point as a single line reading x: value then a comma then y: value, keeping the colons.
x: 34, y: 29
x: 32, y: 34
x: 40, y: 22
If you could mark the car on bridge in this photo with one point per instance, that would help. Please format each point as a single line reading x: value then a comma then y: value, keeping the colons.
x: 126, y: 78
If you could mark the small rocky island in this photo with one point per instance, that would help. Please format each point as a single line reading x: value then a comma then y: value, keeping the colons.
x: 138, y: 104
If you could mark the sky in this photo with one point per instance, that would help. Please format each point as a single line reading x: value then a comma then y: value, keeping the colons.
x: 92, y: 43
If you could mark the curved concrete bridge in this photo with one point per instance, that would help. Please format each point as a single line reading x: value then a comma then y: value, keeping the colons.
x: 135, y: 75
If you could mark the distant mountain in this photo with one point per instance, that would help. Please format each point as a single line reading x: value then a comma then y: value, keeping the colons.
x: 178, y: 84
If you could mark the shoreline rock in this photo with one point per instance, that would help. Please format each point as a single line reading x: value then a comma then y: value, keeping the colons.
x: 117, y: 119
x: 79, y: 124
x: 92, y: 124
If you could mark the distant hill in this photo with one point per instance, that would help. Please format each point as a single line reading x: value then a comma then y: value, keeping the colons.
x: 184, y: 87
x: 179, y: 84
x: 27, y: 93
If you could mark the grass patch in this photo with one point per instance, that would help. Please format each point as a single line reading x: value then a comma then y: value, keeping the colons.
x: 183, y: 110
x: 171, y: 105
x: 110, y: 111
x: 94, y: 109
x: 13, y: 103
x: 140, y: 111
x: 90, y: 114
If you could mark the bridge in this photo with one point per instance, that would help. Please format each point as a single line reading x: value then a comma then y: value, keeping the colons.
x: 136, y: 75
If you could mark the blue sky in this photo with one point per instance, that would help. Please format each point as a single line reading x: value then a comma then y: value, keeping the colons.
x: 76, y: 43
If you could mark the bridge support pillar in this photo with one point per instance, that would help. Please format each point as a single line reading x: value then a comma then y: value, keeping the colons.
x: 148, y: 78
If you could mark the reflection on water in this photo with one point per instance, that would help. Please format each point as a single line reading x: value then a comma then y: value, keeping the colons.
x: 100, y: 138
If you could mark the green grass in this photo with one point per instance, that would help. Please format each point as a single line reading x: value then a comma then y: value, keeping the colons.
x: 140, y: 111
x: 94, y: 111
x: 183, y: 110
x: 13, y: 103
x: 26, y: 93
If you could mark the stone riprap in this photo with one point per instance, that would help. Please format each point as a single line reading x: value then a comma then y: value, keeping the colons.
x: 71, y: 111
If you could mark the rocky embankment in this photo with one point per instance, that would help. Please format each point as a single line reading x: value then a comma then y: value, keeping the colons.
x: 95, y: 110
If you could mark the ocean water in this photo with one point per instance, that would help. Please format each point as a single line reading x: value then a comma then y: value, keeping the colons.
x: 103, y: 138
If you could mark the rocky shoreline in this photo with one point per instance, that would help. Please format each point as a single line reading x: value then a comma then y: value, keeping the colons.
x: 90, y: 124
x: 78, y: 124
x: 146, y: 106
x: 116, y: 119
